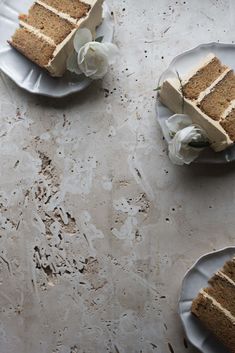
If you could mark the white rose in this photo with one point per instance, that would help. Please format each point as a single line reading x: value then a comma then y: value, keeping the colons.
x: 90, y: 57
x: 188, y: 140
x: 177, y: 122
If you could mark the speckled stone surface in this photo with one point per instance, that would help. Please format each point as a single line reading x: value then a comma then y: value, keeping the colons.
x: 97, y: 228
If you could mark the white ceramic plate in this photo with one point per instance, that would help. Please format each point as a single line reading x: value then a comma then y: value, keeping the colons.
x: 182, y: 64
x: 28, y: 75
x: 196, y: 279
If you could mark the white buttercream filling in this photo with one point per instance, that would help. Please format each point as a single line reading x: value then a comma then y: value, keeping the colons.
x: 226, y: 312
x: 88, y: 2
x: 37, y: 33
x: 200, y: 66
x: 222, y: 274
x: 228, y: 110
x: 63, y: 15
x: 209, y: 89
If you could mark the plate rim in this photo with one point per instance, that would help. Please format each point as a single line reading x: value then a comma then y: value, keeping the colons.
x: 171, y: 64
x: 72, y: 89
x: 185, y: 278
x: 188, y: 51
x: 87, y: 83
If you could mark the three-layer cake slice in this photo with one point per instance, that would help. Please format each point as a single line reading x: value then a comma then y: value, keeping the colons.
x: 46, y: 33
x: 215, y: 305
x: 207, y: 95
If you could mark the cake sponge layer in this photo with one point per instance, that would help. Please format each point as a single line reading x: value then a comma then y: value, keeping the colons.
x: 223, y: 290
x: 48, y: 23
x: 229, y: 269
x: 215, y: 319
x: 229, y: 124
x: 74, y: 8
x: 216, y: 102
x: 203, y: 78
x: 35, y: 48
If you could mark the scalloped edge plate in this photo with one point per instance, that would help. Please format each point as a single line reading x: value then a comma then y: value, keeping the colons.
x: 26, y: 74
x: 183, y: 63
x: 196, y: 279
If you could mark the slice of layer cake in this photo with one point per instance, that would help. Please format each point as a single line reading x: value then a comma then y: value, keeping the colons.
x: 207, y: 95
x: 46, y: 33
x: 215, y: 305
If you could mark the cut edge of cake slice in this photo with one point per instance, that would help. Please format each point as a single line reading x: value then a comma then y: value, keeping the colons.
x: 43, y: 22
x: 37, y: 48
x: 214, y: 306
x: 215, y: 318
x: 222, y: 288
x: 202, y: 76
x: 67, y: 10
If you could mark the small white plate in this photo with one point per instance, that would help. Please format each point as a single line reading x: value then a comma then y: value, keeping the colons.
x: 28, y: 75
x: 196, y: 279
x: 182, y: 64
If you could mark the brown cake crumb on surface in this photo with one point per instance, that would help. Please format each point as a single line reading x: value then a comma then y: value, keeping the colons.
x: 74, y: 8
x: 37, y: 50
x: 215, y: 320
x: 48, y: 23
x: 216, y: 102
x: 203, y: 79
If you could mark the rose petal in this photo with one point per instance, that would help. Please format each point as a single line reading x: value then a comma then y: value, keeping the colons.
x: 72, y: 64
x: 180, y: 152
x: 93, y: 61
x: 82, y: 36
x: 112, y: 52
x: 177, y: 122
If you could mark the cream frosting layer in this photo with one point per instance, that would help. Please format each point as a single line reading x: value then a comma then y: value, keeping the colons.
x: 37, y: 33
x: 198, y: 67
x: 222, y: 274
x: 88, y: 2
x: 59, y: 13
x: 228, y: 110
x: 226, y: 312
x: 209, y: 89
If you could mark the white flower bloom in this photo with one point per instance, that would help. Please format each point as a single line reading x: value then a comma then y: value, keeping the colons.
x: 91, y: 58
x: 188, y: 140
x: 177, y: 122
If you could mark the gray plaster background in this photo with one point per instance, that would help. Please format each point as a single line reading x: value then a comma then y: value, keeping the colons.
x: 97, y: 228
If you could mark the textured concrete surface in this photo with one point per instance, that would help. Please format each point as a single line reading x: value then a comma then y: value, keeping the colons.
x: 97, y: 228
